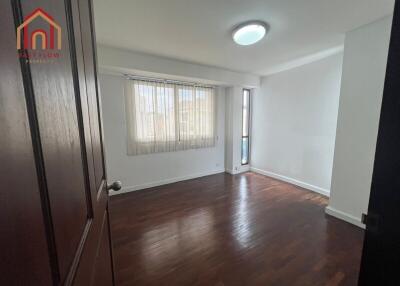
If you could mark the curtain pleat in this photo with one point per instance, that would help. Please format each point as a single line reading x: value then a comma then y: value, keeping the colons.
x: 165, y: 117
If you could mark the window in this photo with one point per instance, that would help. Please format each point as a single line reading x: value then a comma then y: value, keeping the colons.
x: 163, y: 117
x: 245, y: 126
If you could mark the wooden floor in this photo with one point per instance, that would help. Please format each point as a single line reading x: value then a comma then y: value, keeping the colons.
x: 231, y: 230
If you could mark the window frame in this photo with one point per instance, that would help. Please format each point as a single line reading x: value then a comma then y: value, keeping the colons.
x: 202, y: 106
x: 248, y: 127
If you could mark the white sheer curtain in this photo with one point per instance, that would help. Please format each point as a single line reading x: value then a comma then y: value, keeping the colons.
x: 164, y: 117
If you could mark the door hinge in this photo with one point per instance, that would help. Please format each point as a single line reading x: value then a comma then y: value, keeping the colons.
x: 364, y: 218
x: 371, y: 221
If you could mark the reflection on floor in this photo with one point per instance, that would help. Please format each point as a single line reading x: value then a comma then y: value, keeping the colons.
x: 220, y: 230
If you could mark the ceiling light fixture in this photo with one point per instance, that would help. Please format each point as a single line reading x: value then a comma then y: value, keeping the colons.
x: 250, y: 32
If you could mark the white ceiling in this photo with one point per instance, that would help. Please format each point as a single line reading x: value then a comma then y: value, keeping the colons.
x: 199, y: 31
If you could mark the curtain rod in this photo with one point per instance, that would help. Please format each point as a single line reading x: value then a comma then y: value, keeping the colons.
x: 162, y: 80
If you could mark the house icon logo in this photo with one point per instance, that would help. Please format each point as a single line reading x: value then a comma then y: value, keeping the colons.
x: 50, y: 37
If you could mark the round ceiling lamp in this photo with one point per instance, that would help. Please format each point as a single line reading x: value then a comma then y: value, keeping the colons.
x: 250, y: 32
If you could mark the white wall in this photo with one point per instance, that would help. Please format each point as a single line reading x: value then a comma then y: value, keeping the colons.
x: 137, y: 172
x: 131, y: 62
x: 365, y: 58
x: 294, y: 123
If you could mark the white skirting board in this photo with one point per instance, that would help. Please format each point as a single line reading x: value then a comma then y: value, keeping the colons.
x: 304, y: 185
x: 164, y: 182
x: 344, y: 216
x: 241, y: 169
x: 328, y: 210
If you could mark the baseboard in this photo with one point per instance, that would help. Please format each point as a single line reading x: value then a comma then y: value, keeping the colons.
x: 304, y: 185
x: 344, y: 216
x: 165, y: 182
x: 241, y: 169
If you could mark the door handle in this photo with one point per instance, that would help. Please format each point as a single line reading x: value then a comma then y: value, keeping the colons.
x: 116, y: 186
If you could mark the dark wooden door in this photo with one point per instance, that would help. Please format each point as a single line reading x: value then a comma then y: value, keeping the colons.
x: 381, y: 253
x: 24, y: 241
x: 55, y: 103
x: 97, y: 258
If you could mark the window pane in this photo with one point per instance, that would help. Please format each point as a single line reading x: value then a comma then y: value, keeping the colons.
x: 245, y: 151
x: 196, y: 113
x: 245, y: 130
x: 154, y: 111
x: 246, y: 95
x: 144, y: 111
x: 245, y: 126
x: 163, y: 117
x: 186, y: 112
x: 245, y: 112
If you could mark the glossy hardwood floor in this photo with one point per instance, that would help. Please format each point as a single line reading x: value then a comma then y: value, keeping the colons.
x: 231, y: 230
